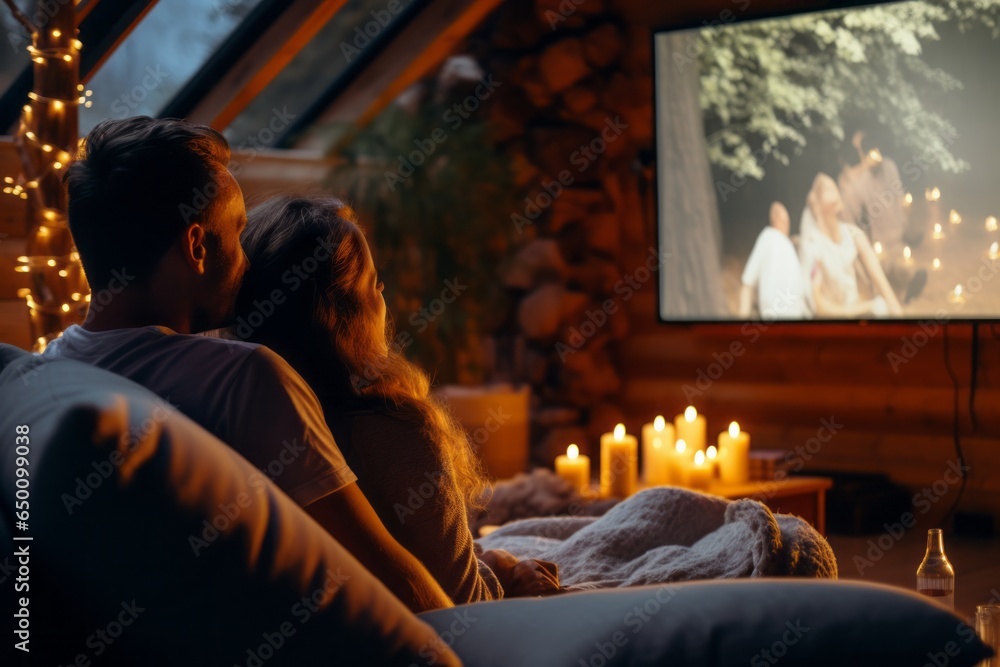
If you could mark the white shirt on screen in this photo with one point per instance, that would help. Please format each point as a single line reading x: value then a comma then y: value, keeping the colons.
x: 773, y: 270
x: 243, y: 393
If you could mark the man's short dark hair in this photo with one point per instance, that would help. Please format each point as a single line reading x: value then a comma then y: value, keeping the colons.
x: 136, y: 184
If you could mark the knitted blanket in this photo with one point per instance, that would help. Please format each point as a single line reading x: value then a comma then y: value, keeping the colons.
x: 668, y: 534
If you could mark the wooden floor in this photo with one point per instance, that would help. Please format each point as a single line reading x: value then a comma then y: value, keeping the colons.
x: 976, y: 563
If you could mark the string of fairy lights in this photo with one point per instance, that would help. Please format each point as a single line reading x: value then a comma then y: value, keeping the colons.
x: 47, y: 297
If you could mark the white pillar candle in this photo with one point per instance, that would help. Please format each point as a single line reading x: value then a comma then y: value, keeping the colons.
x: 734, y: 455
x: 679, y: 463
x: 574, y: 468
x: 691, y: 429
x: 712, y: 454
x: 657, y: 444
x: 699, y: 473
x: 619, y: 463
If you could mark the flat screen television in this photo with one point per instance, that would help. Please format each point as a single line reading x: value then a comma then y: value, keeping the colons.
x: 835, y: 165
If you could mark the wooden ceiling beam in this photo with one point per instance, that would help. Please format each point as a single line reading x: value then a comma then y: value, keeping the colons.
x: 301, y: 21
x: 423, y: 44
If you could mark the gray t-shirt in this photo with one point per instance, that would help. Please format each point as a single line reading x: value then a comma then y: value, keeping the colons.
x: 243, y: 393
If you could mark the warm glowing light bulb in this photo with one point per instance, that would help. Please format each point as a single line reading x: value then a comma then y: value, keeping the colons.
x: 57, y: 33
x: 68, y: 58
x: 27, y: 108
x: 699, y: 458
x: 65, y: 307
x: 572, y: 452
x: 734, y: 430
x: 75, y: 296
x: 713, y: 452
x: 47, y: 148
x: 659, y: 423
x: 680, y: 446
x: 57, y: 165
x: 51, y: 262
x: 690, y: 414
x: 77, y: 44
x: 63, y: 273
x: 58, y: 105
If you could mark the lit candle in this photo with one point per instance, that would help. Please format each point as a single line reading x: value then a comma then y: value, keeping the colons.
x: 699, y: 474
x: 574, y: 468
x: 908, y: 199
x: 933, y: 196
x: 991, y: 224
x: 955, y: 218
x: 938, y: 231
x: 712, y: 454
x: 907, y: 255
x: 995, y: 250
x: 957, y: 296
x: 878, y: 248
x: 691, y: 428
x: 937, y: 264
x: 734, y: 458
x: 680, y: 461
x: 657, y: 443
x: 619, y: 463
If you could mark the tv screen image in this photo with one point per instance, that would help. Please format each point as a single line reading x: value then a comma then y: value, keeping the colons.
x: 836, y: 165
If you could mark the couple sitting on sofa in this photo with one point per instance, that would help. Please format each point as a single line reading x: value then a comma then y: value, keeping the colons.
x: 326, y: 365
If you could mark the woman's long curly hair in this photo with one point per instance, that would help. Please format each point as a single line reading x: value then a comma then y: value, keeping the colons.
x: 310, y: 253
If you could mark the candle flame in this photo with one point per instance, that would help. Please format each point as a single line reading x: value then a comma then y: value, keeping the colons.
x: 958, y: 290
x: 572, y: 452
x: 991, y: 224
x: 690, y: 414
x: 734, y: 430
x: 680, y: 447
x: 933, y: 194
x: 699, y: 458
x: 878, y: 248
x: 955, y: 218
x: 994, y: 250
x: 907, y: 253
x: 937, y: 264
x: 620, y: 432
x: 875, y: 155
x: 659, y: 423
x: 937, y: 228
x: 713, y: 452
x: 909, y: 198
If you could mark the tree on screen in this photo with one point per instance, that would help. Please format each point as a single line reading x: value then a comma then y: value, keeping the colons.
x: 766, y: 86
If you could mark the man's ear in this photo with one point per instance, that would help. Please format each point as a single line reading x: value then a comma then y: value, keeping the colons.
x: 194, y: 247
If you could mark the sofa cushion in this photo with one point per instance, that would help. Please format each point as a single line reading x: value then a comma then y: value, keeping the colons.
x: 156, y: 544
x: 759, y: 622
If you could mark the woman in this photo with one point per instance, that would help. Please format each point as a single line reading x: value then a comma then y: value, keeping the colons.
x: 830, y: 251
x: 310, y: 262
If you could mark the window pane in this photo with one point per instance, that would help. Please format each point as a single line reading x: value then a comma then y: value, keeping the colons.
x: 354, y: 28
x: 163, y: 52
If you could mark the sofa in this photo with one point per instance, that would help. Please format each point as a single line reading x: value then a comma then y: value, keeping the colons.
x: 131, y: 536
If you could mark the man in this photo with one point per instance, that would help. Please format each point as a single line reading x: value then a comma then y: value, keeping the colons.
x: 156, y: 216
x: 773, y: 275
x: 873, y: 193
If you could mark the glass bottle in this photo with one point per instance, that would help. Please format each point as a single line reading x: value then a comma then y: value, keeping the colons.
x: 935, y: 576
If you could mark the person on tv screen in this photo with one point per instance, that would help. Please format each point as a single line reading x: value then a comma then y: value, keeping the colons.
x: 833, y: 252
x: 773, y: 275
x: 873, y: 194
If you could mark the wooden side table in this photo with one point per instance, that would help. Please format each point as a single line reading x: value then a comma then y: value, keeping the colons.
x: 802, y: 496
